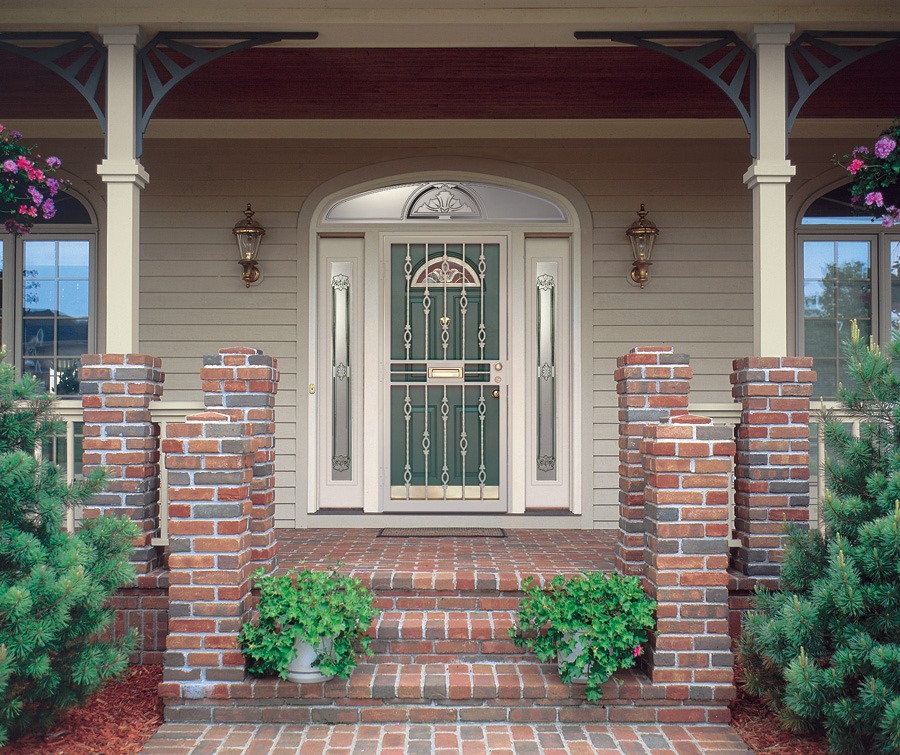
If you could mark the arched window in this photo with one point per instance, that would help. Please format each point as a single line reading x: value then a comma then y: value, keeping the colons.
x: 848, y: 269
x: 48, y: 296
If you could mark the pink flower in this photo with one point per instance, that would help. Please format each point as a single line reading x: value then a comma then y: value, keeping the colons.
x: 2, y: 128
x: 855, y: 166
x: 53, y: 162
x: 884, y: 146
x: 48, y: 209
x: 876, y: 198
x: 35, y: 195
x: 35, y: 175
x: 10, y: 167
x: 24, y: 162
x: 637, y: 651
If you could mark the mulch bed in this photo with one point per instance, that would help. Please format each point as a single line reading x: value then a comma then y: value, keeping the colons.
x: 121, y: 717
x: 117, y: 720
x: 760, y: 729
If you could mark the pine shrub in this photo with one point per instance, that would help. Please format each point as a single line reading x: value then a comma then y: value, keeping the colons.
x: 824, y: 650
x: 54, y: 587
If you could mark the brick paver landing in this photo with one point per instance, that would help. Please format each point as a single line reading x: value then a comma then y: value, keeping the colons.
x: 469, y: 739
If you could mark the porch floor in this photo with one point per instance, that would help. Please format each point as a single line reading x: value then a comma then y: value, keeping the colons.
x: 421, y: 562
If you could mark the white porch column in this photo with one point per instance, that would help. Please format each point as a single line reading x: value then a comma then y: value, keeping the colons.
x: 767, y: 178
x: 124, y: 177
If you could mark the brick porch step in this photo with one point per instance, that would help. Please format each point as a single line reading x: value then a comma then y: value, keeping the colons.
x: 443, y: 636
x: 523, y: 691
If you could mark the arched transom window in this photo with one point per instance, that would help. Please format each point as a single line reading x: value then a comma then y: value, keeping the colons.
x: 465, y: 201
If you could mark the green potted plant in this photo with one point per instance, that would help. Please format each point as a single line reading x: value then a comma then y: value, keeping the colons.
x: 311, y: 625
x: 592, y: 625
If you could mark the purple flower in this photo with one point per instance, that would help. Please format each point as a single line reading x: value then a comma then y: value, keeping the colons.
x: 884, y: 146
x: 53, y: 162
x: 861, y: 151
x: 16, y: 134
x: 11, y: 226
x: 876, y: 198
x: 48, y: 209
x: 35, y: 195
x: 891, y: 216
x: 53, y: 186
x: 9, y: 166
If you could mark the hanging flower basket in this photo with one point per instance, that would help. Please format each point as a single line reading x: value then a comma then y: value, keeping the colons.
x: 27, y: 185
x: 873, y: 171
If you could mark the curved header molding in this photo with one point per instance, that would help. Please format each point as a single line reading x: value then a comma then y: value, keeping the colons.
x: 462, y: 201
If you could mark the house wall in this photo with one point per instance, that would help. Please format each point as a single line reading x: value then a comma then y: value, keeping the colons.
x: 698, y: 298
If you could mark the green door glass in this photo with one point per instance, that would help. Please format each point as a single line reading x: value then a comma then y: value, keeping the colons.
x: 445, y: 418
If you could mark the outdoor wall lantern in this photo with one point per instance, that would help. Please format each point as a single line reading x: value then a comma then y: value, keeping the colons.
x: 642, y: 234
x: 248, y: 234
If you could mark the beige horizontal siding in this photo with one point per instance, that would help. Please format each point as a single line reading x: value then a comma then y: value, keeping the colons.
x: 698, y: 300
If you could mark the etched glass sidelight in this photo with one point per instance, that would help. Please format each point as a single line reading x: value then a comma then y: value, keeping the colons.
x: 341, y: 273
x: 546, y: 370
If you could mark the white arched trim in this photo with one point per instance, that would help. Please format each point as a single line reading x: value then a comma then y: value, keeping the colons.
x: 577, y: 228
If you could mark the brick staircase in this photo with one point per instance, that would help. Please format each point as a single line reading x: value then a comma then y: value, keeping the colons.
x: 443, y: 654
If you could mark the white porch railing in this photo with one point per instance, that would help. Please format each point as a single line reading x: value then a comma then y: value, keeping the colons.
x: 67, y: 454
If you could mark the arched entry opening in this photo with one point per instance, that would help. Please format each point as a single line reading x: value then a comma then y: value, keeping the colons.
x: 442, y: 355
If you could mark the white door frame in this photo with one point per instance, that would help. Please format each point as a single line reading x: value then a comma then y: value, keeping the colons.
x: 527, y: 245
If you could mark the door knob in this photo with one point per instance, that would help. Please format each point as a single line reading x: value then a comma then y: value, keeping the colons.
x: 495, y: 393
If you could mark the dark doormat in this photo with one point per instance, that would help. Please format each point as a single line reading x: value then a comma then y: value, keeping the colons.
x: 441, y: 532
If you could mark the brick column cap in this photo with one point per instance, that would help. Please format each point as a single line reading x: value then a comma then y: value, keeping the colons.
x: 248, y: 350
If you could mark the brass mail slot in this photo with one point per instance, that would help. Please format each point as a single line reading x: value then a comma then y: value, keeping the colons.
x: 445, y: 372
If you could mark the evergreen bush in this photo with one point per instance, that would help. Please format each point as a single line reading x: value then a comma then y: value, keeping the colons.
x: 824, y: 650
x: 54, y: 587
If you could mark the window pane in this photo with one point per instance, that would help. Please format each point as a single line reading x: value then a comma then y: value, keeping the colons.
x: 837, y: 288
x: 895, y: 282
x: 56, y: 306
x: 40, y: 259
x: 39, y: 297
x: 73, y: 298
x: 73, y: 259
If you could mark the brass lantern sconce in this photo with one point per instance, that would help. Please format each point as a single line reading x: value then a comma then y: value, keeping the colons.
x: 248, y: 234
x: 642, y: 234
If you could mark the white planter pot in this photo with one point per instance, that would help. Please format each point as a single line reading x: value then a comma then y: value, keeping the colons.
x: 560, y: 659
x: 301, y: 670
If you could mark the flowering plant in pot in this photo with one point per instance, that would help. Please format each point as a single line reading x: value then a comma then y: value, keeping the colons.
x: 592, y: 625
x: 873, y: 171
x: 311, y: 625
x: 27, y: 184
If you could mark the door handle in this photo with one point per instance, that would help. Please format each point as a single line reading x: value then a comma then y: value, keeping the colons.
x: 495, y: 393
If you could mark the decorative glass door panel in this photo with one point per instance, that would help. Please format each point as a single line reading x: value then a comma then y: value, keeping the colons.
x: 447, y: 392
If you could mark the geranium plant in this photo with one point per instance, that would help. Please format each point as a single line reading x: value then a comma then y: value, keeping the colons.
x: 27, y: 183
x: 310, y: 605
x: 593, y: 625
x: 873, y: 171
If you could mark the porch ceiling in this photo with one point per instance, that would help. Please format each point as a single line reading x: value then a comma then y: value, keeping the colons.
x: 449, y: 83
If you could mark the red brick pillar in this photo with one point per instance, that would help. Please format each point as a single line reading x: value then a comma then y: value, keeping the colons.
x: 119, y: 435
x: 772, y: 464
x: 241, y: 382
x: 210, y: 463
x: 652, y: 383
x: 688, y: 462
